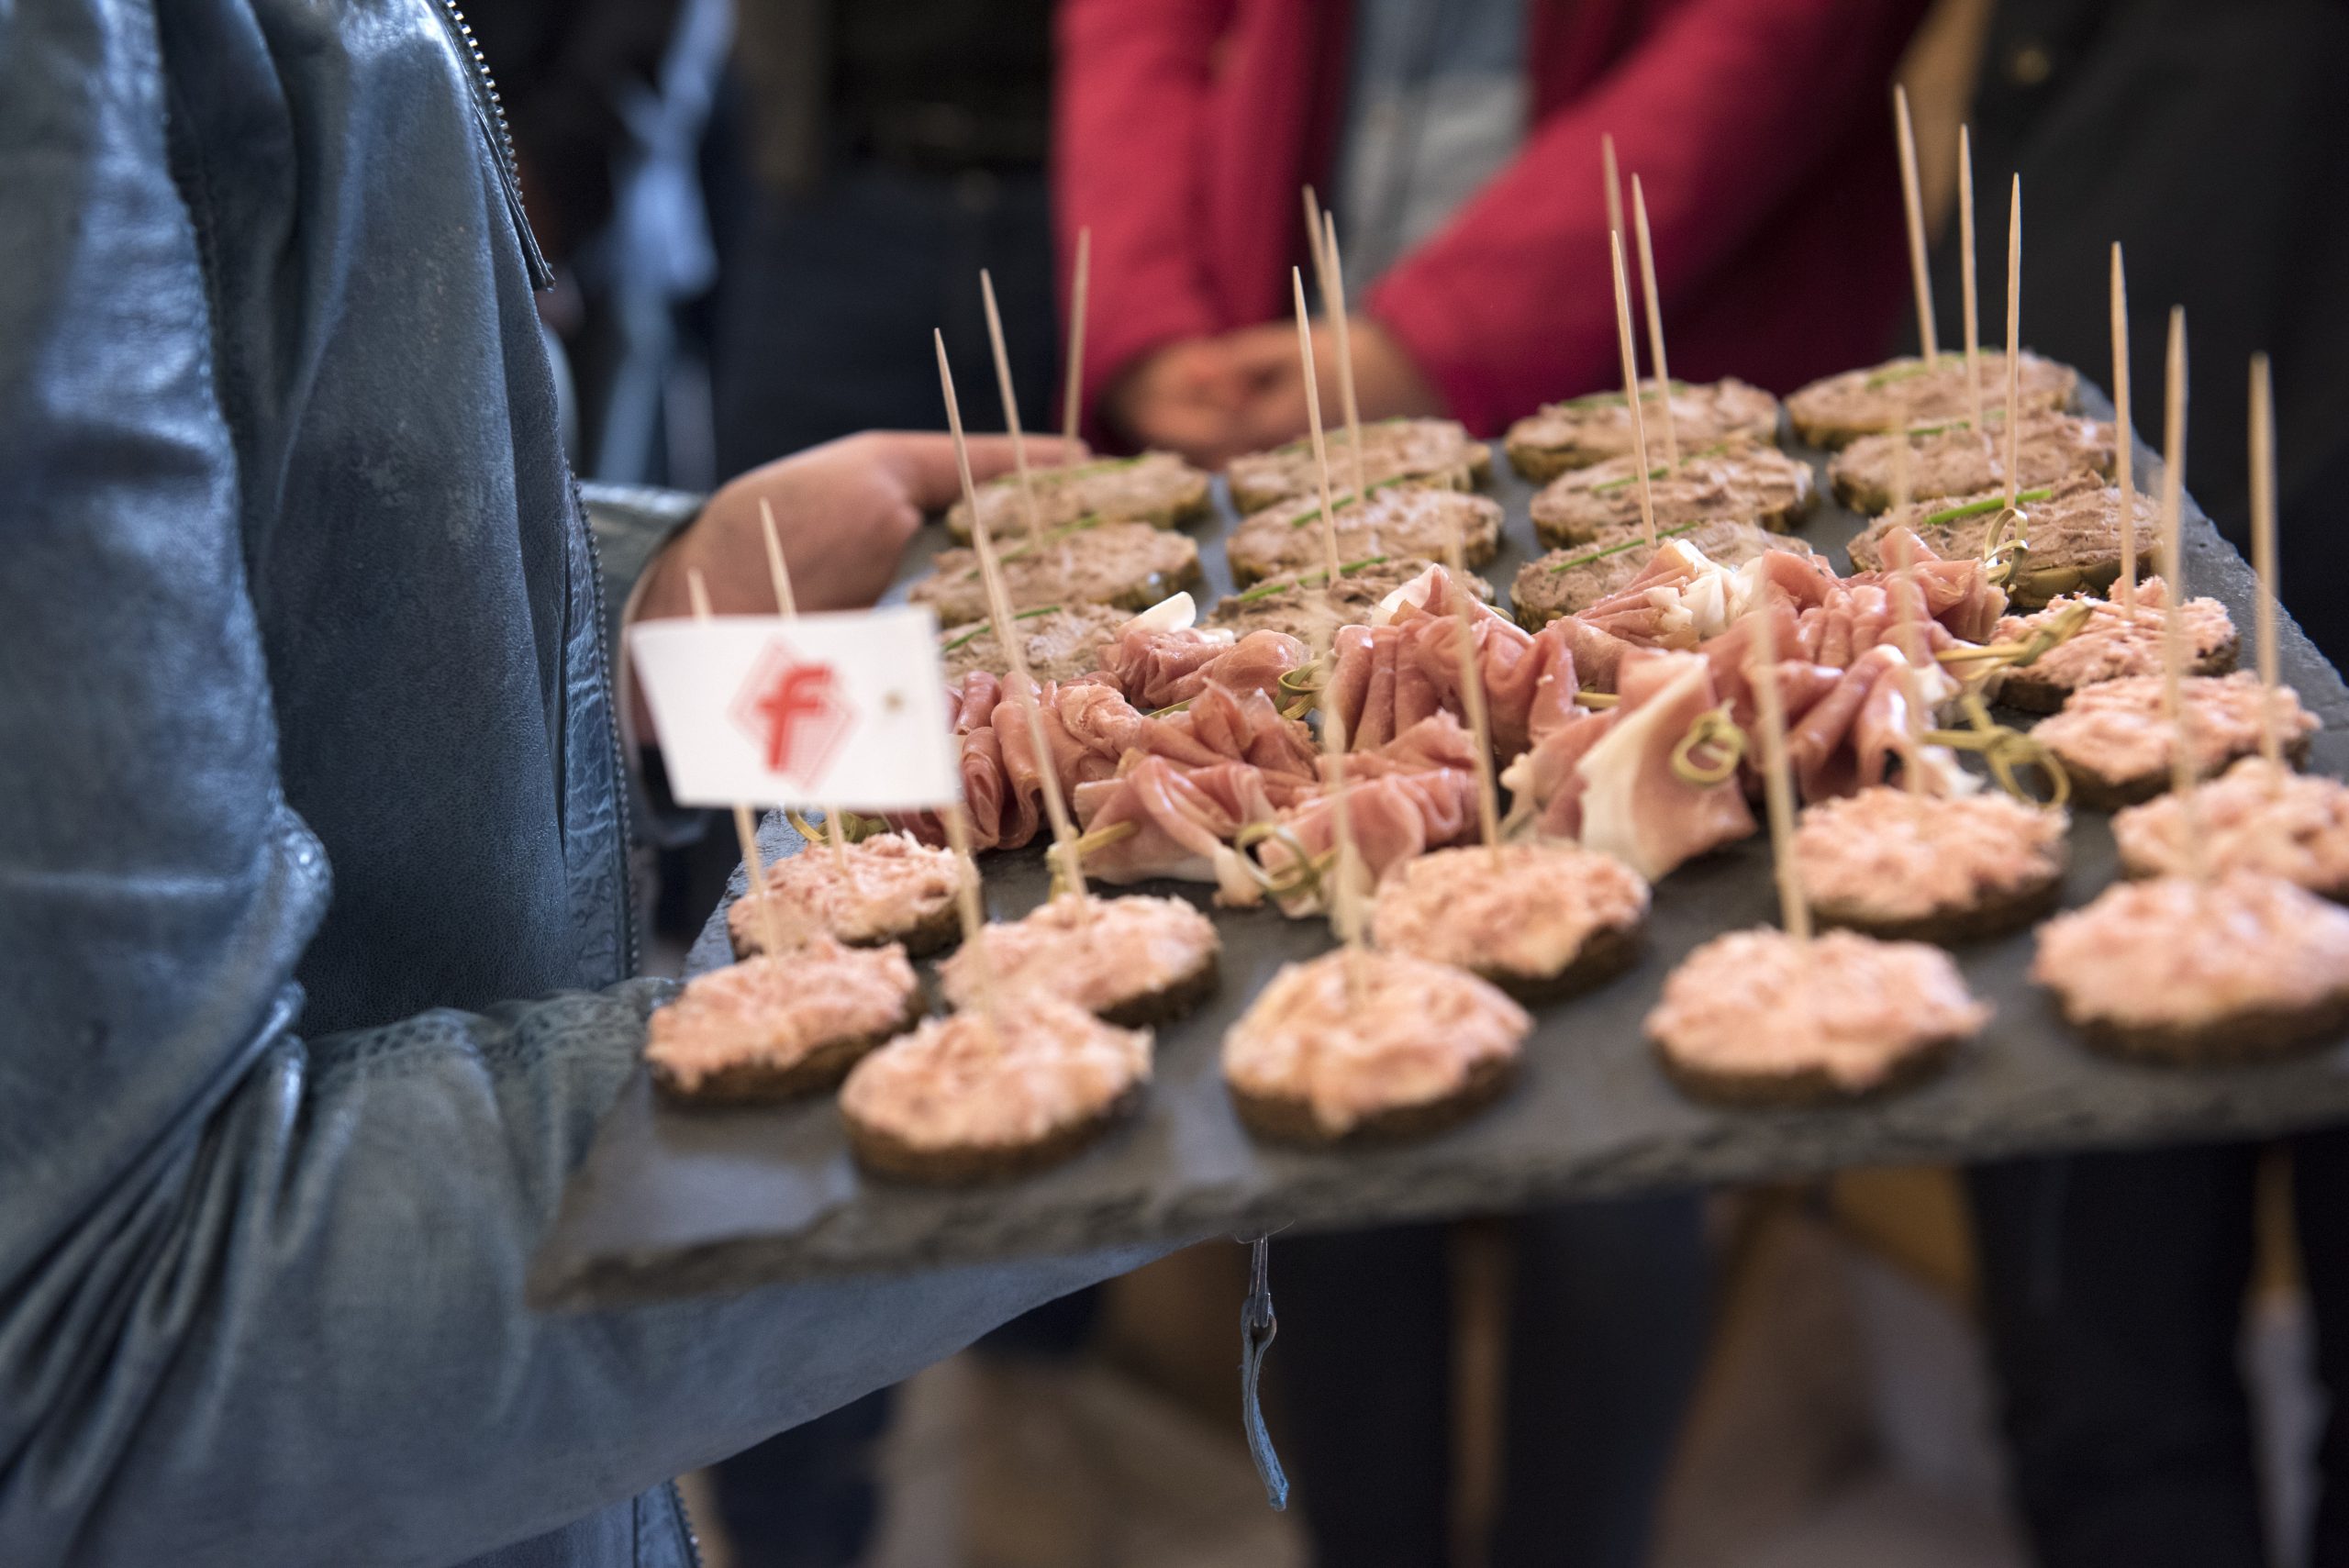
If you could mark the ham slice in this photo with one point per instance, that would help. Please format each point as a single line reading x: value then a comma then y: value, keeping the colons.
x: 1633, y: 805
x: 1406, y: 667
x: 1185, y: 819
x: 1157, y: 669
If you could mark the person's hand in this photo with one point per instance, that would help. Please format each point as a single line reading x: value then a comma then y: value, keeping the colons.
x: 1264, y: 360
x: 1180, y: 398
x: 843, y: 511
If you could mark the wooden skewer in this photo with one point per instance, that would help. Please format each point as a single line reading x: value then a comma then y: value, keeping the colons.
x: 2124, y: 438
x: 746, y: 831
x: 1794, y: 909
x: 1074, y: 386
x: 1927, y: 334
x: 1614, y: 184
x: 1313, y: 421
x: 1034, y: 514
x: 1472, y: 695
x: 1912, y: 648
x: 2014, y: 340
x: 786, y: 605
x: 1632, y: 391
x: 1966, y: 261
x: 1333, y: 727
x: 1655, y: 326
x: 967, y: 901
x: 1333, y: 305
x: 2181, y: 757
x: 2263, y: 548
x: 1313, y: 234
x: 1006, y: 628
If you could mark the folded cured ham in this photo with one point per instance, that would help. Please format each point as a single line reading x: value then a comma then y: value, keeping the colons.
x: 1178, y: 822
x: 1387, y: 676
x: 1415, y: 793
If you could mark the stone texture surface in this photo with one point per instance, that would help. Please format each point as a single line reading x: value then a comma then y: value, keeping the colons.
x: 670, y: 1202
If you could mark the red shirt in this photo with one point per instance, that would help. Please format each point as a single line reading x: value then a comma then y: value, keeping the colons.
x: 1760, y: 130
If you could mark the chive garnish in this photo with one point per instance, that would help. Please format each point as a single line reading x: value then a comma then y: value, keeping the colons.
x: 1370, y: 489
x: 1266, y: 590
x: 1975, y: 508
x: 1903, y: 372
x: 1661, y: 535
x: 983, y: 628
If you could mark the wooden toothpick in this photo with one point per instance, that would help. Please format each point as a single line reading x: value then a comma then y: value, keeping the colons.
x: 2263, y: 549
x: 1910, y: 639
x: 746, y: 831
x: 1632, y: 391
x: 1333, y: 305
x: 1927, y: 333
x: 968, y: 901
x: 1007, y: 636
x: 1472, y: 693
x: 2181, y: 756
x: 1072, y: 401
x: 1655, y: 326
x: 1313, y: 236
x: 786, y: 605
x: 2014, y: 340
x: 2124, y: 438
x: 1028, y: 507
x: 1794, y: 909
x: 1614, y: 184
x: 1313, y: 422
x: 1966, y: 268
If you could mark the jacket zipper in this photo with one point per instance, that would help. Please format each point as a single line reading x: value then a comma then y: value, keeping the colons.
x: 490, y: 108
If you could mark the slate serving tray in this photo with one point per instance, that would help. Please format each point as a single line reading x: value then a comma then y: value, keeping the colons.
x: 673, y: 1202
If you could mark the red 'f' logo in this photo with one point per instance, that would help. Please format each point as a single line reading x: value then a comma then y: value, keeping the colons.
x: 794, y: 711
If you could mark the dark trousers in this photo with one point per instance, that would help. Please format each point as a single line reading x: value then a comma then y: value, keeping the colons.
x: 825, y: 303
x: 1608, y: 1323
x: 2113, y: 1288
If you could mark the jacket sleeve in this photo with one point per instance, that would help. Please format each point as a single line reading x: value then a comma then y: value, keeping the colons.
x: 1128, y: 159
x: 260, y: 1296
x: 1723, y: 109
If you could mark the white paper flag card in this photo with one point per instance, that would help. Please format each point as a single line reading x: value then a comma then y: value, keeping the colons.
x: 820, y: 710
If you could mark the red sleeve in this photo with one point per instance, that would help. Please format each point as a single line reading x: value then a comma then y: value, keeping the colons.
x: 1723, y: 111
x: 1135, y: 82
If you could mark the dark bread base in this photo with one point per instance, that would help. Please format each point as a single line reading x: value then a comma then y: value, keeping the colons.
x: 1159, y: 586
x: 2097, y: 792
x: 1987, y: 918
x: 1281, y: 1119
x: 1170, y: 1002
x: 936, y: 931
x: 1607, y: 954
x: 1539, y: 465
x: 2263, y: 1035
x: 2020, y: 692
x: 764, y: 1083
x: 1805, y: 1087
x: 969, y: 1164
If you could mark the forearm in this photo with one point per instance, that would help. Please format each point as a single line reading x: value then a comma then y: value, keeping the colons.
x: 304, y: 1318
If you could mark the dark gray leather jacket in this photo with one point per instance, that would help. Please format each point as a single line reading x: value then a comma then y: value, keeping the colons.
x: 306, y: 765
